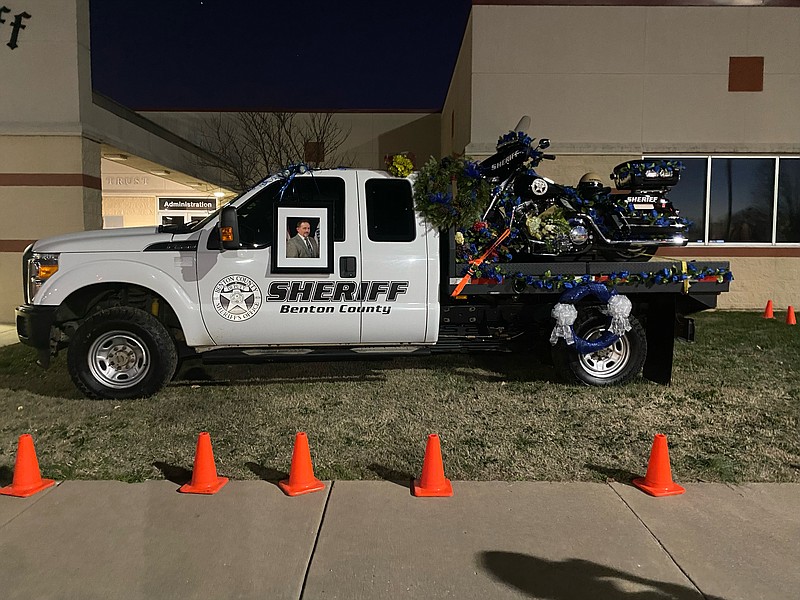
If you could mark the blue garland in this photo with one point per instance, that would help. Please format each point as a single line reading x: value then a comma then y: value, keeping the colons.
x: 548, y: 281
x: 515, y: 136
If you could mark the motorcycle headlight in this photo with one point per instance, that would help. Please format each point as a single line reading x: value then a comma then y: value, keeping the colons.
x: 41, y: 267
x: 578, y: 235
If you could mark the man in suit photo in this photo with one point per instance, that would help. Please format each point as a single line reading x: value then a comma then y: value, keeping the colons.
x: 303, y: 245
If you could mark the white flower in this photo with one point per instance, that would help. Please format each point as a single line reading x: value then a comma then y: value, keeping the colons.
x: 533, y: 224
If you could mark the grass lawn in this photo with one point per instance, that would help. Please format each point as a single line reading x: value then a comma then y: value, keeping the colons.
x: 731, y: 415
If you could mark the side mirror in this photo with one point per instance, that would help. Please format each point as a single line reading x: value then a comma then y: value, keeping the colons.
x: 229, y: 229
x: 544, y: 143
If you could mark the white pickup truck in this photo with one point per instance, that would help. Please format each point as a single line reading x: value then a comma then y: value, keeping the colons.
x: 130, y: 304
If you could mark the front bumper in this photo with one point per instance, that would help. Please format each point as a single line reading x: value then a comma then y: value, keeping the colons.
x: 34, y: 325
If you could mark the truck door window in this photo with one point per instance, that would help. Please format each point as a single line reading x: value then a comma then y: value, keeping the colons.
x: 390, y: 210
x: 256, y: 226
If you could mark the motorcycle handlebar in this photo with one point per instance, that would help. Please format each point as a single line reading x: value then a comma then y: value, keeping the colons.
x: 549, y: 156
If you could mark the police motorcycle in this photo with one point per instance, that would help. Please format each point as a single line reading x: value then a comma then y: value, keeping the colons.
x: 552, y: 220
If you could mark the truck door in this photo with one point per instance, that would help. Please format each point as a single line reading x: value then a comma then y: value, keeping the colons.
x: 272, y: 291
x: 394, y: 259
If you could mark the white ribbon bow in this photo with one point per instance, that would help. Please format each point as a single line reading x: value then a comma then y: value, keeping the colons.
x: 565, y: 315
x: 619, y: 308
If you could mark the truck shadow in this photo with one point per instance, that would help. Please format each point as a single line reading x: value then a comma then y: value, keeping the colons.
x: 199, y: 375
x: 19, y: 371
x: 495, y: 368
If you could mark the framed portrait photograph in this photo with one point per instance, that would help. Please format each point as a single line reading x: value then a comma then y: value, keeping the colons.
x: 303, y: 239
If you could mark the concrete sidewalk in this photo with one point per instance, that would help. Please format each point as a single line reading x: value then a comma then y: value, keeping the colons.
x: 8, y: 334
x: 372, y: 539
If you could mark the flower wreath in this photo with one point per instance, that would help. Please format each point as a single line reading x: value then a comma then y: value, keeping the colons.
x: 618, y: 308
x: 451, y: 192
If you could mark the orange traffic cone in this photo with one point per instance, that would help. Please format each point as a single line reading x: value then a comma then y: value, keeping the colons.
x: 790, y: 320
x: 301, y: 474
x: 204, y: 474
x: 658, y: 479
x: 432, y: 483
x: 27, y: 477
x: 768, y: 310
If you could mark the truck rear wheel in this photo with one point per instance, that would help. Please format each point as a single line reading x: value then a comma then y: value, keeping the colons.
x: 121, y: 352
x: 617, y: 364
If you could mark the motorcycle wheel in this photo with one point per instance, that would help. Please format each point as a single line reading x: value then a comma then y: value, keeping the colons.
x: 615, y: 365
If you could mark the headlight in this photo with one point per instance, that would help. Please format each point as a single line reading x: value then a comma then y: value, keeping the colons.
x: 579, y: 235
x: 41, y: 267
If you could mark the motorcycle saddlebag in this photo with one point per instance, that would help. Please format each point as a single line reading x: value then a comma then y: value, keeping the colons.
x: 646, y: 174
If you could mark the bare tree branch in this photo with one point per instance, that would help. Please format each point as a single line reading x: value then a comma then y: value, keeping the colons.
x: 251, y: 145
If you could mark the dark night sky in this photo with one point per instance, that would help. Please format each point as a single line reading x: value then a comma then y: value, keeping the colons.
x: 367, y: 55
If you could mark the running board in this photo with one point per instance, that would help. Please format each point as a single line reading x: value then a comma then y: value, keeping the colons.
x: 272, y: 355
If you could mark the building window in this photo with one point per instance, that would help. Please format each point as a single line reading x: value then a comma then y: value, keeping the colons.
x: 742, y: 198
x: 788, y: 222
x: 390, y: 211
x: 689, y: 196
x: 752, y: 200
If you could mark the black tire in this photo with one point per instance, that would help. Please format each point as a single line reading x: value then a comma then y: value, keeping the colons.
x: 615, y: 365
x: 120, y: 353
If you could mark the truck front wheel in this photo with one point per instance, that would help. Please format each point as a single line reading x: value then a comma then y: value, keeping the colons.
x: 619, y: 363
x: 121, y: 352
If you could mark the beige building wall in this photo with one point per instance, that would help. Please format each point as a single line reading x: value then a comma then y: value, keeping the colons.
x: 374, y: 135
x: 456, y: 127
x: 52, y: 130
x: 758, y: 279
x: 49, y: 185
x: 371, y: 135
x: 603, y: 79
x: 49, y: 171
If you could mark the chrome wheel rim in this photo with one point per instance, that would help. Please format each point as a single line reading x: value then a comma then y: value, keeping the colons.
x: 608, y: 362
x: 119, y: 359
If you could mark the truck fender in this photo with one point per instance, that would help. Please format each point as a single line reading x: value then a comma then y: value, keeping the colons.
x: 110, y: 271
